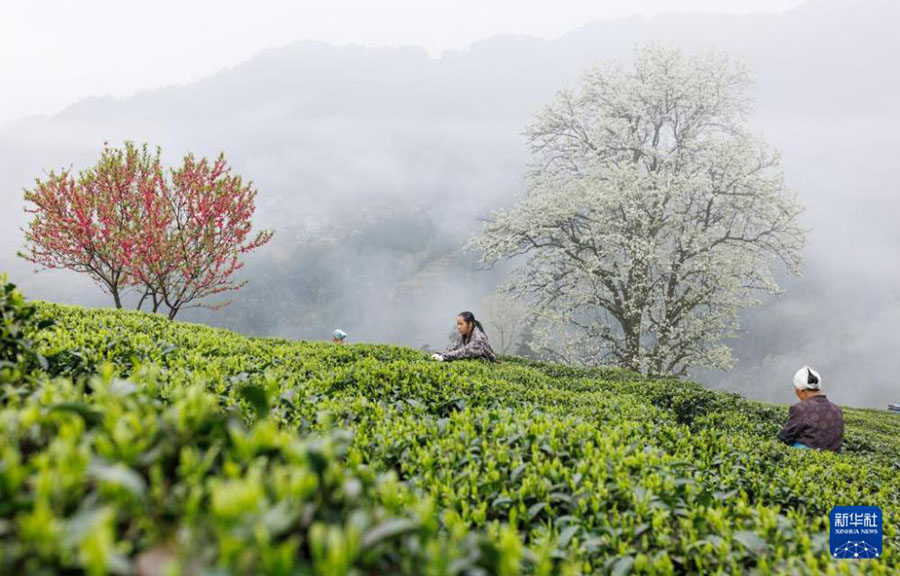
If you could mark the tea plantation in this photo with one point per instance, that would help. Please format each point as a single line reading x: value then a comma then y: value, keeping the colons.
x: 134, y: 445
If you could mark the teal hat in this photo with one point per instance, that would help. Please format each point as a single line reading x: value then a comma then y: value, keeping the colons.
x: 339, y: 334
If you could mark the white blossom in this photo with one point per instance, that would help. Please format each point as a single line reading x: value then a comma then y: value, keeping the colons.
x: 651, y: 217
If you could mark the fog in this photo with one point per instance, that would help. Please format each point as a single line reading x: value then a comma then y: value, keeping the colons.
x: 55, y: 52
x: 374, y: 165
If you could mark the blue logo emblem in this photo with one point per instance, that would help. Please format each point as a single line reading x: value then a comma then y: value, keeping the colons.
x: 855, y: 532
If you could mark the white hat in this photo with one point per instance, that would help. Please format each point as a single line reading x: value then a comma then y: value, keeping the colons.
x: 807, y: 379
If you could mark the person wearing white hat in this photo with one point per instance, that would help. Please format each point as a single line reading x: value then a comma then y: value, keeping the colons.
x: 338, y: 336
x: 814, y: 422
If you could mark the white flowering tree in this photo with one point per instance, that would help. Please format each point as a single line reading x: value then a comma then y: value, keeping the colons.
x: 651, y: 217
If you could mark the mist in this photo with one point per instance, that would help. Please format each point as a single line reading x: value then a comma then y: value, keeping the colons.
x: 374, y: 166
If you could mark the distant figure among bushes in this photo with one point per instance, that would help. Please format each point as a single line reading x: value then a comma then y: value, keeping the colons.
x: 471, y: 342
x: 814, y: 422
x: 338, y: 336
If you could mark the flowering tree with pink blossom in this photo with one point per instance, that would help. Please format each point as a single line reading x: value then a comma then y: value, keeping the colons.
x: 175, y: 235
x: 193, y: 246
x: 89, y: 222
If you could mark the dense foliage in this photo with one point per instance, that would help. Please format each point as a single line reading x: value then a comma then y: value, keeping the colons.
x: 143, y: 443
x: 17, y: 326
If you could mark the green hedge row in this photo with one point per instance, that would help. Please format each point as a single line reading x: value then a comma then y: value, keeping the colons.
x: 137, y: 443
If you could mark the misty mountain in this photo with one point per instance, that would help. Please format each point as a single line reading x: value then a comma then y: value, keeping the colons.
x: 374, y: 165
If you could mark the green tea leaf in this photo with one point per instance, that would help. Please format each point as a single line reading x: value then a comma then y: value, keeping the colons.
x: 90, y: 416
x: 751, y: 541
x: 257, y: 398
x: 117, y: 474
x: 388, y: 531
x: 622, y: 566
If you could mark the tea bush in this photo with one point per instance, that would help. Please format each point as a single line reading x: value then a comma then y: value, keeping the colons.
x: 141, y: 444
x: 18, y: 325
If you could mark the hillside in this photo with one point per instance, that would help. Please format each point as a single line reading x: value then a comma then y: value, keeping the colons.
x: 156, y: 442
x: 329, y: 132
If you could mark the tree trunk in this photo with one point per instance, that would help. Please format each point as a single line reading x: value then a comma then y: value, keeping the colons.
x: 632, y: 356
x: 141, y: 301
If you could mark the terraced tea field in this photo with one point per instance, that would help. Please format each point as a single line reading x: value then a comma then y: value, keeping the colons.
x: 134, y: 443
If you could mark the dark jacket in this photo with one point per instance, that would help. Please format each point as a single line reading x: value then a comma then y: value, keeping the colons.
x: 476, y: 346
x: 815, y: 423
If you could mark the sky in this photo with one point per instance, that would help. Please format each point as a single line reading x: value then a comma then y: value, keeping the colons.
x: 56, y: 52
